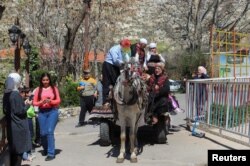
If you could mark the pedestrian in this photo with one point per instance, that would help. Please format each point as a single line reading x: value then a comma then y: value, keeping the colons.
x: 202, y: 73
x: 88, y: 94
x: 158, y: 87
x: 25, y: 93
x: 201, y: 91
x: 152, y: 58
x: 18, y: 135
x: 32, y: 114
x: 47, y: 98
x: 37, y: 139
x: 111, y: 67
x: 138, y: 51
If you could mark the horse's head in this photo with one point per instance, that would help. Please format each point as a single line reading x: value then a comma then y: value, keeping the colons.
x: 126, y: 86
x: 130, y: 72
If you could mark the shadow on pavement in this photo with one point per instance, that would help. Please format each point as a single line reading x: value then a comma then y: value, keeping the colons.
x: 218, y: 143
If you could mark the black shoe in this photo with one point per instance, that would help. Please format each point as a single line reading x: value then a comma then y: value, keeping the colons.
x: 49, y: 158
x: 80, y: 124
x: 44, y: 153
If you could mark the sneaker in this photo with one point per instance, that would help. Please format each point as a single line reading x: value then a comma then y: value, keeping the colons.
x: 25, y: 156
x: 177, y: 110
x: 31, y: 157
x: 49, y: 158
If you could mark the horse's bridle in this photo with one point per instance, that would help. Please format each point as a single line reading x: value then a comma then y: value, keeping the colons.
x: 129, y: 71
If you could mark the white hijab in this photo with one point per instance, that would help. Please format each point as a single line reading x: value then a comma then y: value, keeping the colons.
x: 12, y: 82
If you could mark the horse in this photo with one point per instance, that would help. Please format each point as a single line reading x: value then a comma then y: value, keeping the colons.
x: 131, y: 100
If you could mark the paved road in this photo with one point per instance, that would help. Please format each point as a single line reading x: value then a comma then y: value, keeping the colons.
x: 79, y: 147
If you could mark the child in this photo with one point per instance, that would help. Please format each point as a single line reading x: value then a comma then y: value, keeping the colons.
x: 25, y: 93
x: 174, y: 106
x: 31, y: 113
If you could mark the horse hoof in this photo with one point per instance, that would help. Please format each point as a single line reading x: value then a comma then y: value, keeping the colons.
x: 119, y: 160
x: 133, y: 160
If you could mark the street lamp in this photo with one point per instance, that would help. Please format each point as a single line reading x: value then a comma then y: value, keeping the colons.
x: 18, y: 38
x: 26, y: 47
x: 14, y: 33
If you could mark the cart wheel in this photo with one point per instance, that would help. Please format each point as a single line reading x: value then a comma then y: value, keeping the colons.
x: 161, y: 137
x: 104, y: 134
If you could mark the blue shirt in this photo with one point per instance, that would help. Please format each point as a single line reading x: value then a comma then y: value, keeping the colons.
x: 115, y: 55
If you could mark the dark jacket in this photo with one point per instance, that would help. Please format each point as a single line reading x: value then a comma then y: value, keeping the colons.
x: 203, y: 76
x: 18, y: 134
x: 163, y: 83
x: 158, y: 100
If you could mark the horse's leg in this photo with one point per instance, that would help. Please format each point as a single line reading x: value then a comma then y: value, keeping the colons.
x: 136, y: 150
x: 121, y: 156
x: 133, y: 139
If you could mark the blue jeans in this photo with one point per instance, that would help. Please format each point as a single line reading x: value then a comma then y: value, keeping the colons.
x: 48, y: 119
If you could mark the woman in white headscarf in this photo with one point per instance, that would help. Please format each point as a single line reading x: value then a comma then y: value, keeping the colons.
x: 152, y: 58
x: 202, y: 73
x: 201, y: 90
x: 18, y: 134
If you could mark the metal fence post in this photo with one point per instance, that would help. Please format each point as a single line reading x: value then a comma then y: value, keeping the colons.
x: 228, y: 103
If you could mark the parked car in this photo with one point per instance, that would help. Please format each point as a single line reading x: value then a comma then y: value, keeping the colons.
x: 174, y: 85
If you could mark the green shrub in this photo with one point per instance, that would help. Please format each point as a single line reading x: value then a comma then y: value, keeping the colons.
x: 69, y: 94
x: 188, y: 62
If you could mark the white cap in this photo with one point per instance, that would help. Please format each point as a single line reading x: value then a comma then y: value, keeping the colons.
x: 152, y: 45
x: 143, y: 41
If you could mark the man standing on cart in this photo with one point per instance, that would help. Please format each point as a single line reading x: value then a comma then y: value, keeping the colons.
x: 111, y: 67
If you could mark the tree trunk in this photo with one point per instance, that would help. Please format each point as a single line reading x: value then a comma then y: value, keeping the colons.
x: 69, y: 41
x: 86, y: 40
x: 2, y: 8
